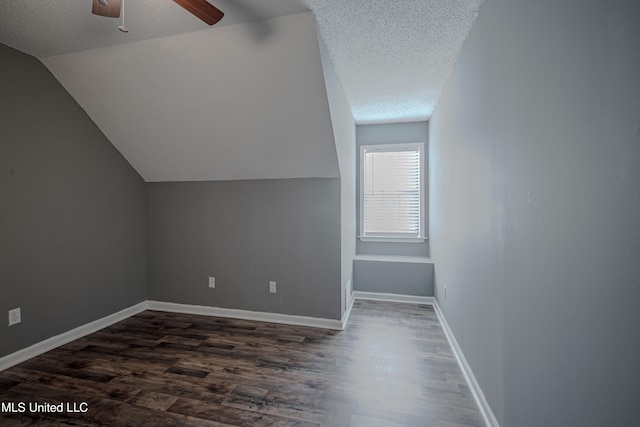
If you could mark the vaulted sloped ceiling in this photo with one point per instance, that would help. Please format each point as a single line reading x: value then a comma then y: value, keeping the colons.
x: 217, y: 104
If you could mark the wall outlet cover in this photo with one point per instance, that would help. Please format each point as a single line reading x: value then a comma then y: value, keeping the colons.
x: 14, y: 316
x: 212, y: 282
x: 272, y: 287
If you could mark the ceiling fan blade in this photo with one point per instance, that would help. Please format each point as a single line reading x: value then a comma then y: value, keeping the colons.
x: 112, y: 10
x: 202, y: 9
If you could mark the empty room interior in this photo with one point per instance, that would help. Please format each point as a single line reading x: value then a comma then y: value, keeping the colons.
x: 195, y: 221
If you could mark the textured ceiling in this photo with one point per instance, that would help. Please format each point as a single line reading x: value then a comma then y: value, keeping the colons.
x: 392, y: 56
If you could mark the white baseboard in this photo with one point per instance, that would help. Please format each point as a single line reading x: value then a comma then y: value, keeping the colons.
x: 376, y: 296
x: 81, y: 331
x: 66, y: 337
x: 287, y: 319
x: 347, y: 313
x: 485, y: 410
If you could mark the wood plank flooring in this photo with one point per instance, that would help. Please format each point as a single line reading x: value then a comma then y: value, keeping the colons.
x: 391, y: 367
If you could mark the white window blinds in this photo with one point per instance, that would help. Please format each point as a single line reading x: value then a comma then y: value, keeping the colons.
x: 392, y: 191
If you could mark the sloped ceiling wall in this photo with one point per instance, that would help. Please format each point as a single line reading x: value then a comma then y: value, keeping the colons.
x: 344, y: 130
x: 218, y: 104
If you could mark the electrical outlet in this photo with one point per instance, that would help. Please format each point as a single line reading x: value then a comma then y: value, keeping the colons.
x: 445, y: 291
x: 212, y: 282
x: 14, y: 316
x: 272, y: 287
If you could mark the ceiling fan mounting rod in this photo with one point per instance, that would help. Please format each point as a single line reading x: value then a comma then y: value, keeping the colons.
x: 122, y: 27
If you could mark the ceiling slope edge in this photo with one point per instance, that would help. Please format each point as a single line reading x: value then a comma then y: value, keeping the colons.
x: 342, y: 121
x: 218, y: 104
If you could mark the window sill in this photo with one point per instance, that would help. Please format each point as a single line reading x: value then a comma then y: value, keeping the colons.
x: 392, y: 239
x: 394, y: 258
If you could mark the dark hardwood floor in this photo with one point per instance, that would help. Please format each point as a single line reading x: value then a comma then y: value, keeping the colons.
x: 392, y: 367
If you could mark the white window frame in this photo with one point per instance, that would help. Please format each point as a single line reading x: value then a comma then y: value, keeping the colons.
x: 386, y: 237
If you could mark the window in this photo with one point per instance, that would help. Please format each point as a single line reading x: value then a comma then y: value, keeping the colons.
x: 391, y: 192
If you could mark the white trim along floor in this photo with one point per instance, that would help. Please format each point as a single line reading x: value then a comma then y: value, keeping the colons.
x: 81, y: 331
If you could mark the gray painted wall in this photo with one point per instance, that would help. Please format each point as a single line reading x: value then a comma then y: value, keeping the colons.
x: 72, y: 212
x: 245, y: 234
x: 74, y: 220
x: 390, y: 133
x: 535, y: 209
x: 404, y: 278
